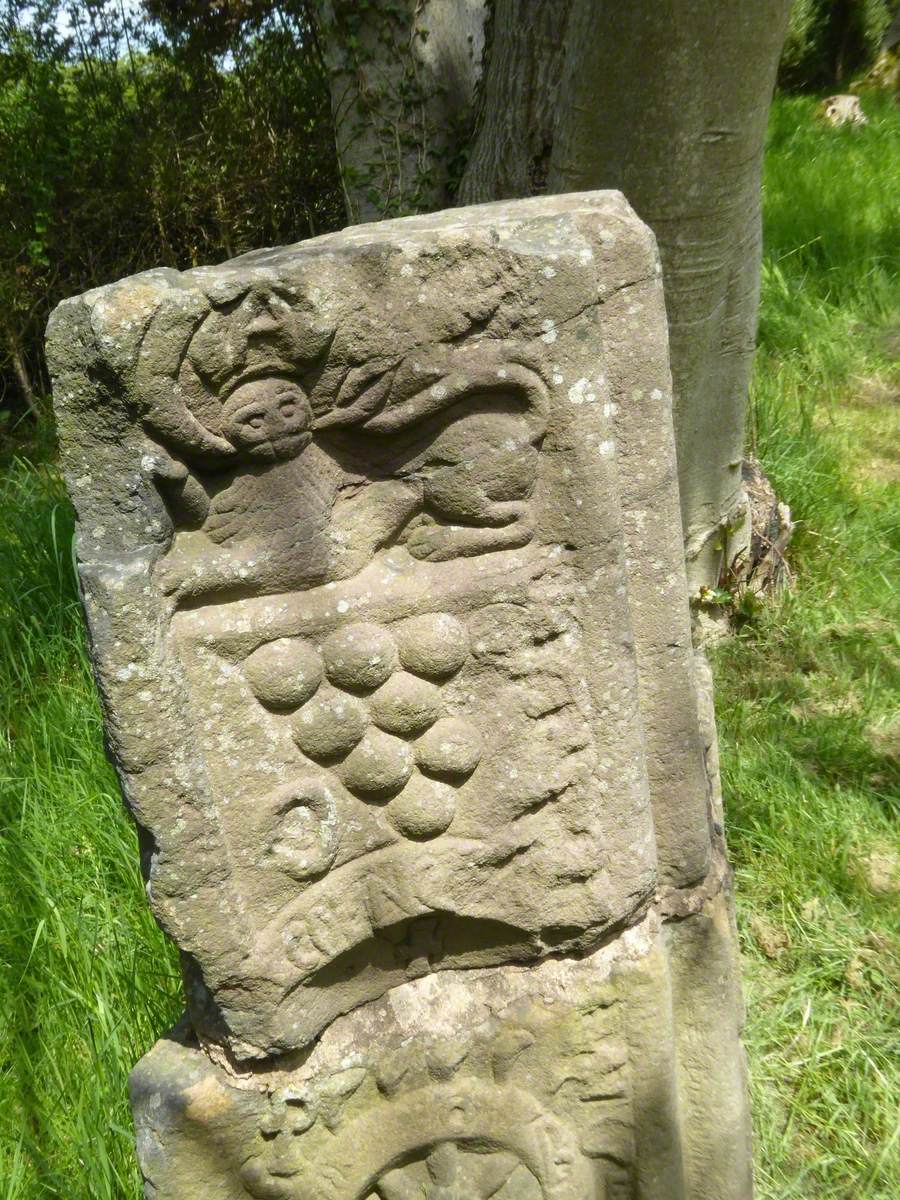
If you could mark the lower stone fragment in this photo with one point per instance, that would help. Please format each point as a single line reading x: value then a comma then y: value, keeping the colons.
x: 617, y: 1076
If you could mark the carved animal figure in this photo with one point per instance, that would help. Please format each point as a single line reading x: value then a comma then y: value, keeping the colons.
x: 287, y: 511
x: 268, y: 521
x: 477, y: 477
x: 237, y: 525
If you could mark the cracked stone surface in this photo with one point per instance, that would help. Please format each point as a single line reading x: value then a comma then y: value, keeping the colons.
x: 382, y: 563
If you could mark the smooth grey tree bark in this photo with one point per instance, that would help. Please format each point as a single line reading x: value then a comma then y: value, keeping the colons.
x: 666, y: 100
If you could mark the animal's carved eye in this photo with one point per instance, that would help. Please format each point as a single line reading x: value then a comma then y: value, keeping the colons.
x: 255, y: 422
x: 288, y: 408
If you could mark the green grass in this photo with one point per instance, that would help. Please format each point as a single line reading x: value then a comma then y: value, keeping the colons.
x: 86, y: 980
x: 807, y: 706
x: 808, y: 693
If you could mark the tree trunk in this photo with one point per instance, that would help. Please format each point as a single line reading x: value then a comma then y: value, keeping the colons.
x: 402, y: 89
x: 666, y: 101
x: 510, y: 156
x: 669, y: 102
x: 20, y: 370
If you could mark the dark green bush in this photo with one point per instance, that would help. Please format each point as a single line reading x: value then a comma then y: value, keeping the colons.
x: 830, y: 41
x: 129, y: 143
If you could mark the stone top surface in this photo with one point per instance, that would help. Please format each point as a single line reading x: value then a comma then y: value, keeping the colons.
x: 380, y: 551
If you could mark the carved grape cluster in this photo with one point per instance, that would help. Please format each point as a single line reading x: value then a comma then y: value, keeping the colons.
x: 367, y: 704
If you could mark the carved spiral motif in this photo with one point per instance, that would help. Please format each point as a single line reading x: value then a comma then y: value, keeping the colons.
x: 306, y: 836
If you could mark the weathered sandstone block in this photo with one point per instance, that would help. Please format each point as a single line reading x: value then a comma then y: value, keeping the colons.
x: 381, y: 558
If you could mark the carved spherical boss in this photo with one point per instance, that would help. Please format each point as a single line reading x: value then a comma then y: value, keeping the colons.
x: 380, y: 546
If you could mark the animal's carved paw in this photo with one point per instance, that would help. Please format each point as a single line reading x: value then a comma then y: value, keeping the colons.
x: 433, y: 543
x: 173, y: 573
x: 439, y: 543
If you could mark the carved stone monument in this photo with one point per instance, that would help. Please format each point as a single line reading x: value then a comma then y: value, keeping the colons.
x: 382, y: 563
